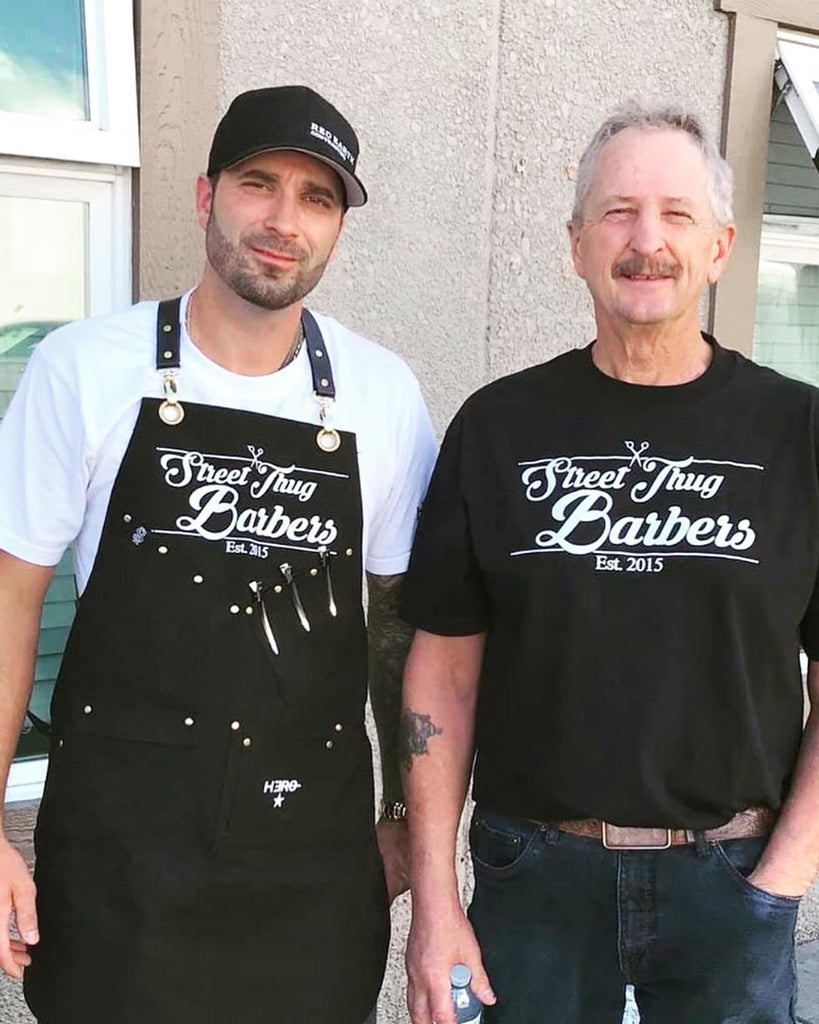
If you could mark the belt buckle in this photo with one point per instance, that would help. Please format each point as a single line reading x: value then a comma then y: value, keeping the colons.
x: 618, y: 837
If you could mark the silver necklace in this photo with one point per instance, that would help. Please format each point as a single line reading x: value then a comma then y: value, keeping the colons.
x: 292, y: 352
x: 295, y: 348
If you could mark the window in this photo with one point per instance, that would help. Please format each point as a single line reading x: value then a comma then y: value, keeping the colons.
x: 68, y: 138
x: 786, y: 334
x: 786, y: 330
x: 68, y: 81
x: 797, y: 76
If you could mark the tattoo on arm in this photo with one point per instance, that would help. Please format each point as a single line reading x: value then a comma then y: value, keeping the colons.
x: 389, y: 639
x: 416, y: 730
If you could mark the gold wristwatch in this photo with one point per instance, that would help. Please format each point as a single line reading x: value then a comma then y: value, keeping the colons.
x: 393, y: 810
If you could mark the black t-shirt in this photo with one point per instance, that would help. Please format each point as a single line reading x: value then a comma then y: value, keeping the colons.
x: 644, y: 563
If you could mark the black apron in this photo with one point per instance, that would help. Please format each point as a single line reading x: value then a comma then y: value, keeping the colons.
x: 205, y: 844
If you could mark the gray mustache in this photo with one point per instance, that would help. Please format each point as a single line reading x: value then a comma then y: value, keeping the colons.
x: 646, y: 268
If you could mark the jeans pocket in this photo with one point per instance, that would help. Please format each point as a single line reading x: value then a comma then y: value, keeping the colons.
x: 500, y: 845
x: 738, y: 858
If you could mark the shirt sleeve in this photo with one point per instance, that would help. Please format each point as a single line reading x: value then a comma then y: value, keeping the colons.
x: 43, y: 468
x: 444, y: 591
x: 809, y: 627
x: 393, y: 525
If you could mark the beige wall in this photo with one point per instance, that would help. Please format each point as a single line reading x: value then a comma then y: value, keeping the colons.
x: 178, y: 109
x: 471, y: 117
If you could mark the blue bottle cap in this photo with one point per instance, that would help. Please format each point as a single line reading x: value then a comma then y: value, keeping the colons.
x: 460, y: 976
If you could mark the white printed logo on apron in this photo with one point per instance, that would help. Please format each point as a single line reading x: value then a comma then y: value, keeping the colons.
x: 278, y: 789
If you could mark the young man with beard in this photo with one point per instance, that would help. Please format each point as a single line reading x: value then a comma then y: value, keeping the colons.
x: 613, y: 574
x: 228, y: 467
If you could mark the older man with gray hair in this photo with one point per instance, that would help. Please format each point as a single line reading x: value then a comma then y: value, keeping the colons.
x: 614, y: 572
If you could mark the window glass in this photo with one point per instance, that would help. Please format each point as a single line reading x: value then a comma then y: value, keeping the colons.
x: 45, y: 285
x: 786, y: 331
x: 43, y: 67
x: 786, y: 335
x: 46, y: 281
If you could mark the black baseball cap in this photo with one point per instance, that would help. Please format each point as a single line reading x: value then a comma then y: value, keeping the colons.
x: 288, y: 117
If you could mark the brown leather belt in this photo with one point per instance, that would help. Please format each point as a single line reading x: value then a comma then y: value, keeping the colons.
x: 750, y: 824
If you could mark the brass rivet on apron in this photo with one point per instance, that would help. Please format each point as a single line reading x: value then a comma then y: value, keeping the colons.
x: 126, y: 518
x: 189, y: 721
x: 324, y: 382
x: 235, y: 726
x: 319, y: 353
x: 339, y: 726
x: 87, y: 709
x: 162, y: 549
x: 166, y: 328
x: 198, y: 579
x: 249, y: 610
x: 277, y: 589
x: 235, y: 609
x: 59, y: 743
x: 329, y: 744
x: 349, y: 552
x: 167, y: 355
x: 314, y: 572
x: 246, y: 741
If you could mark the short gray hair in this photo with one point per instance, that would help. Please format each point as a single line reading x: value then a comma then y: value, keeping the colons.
x: 720, y: 177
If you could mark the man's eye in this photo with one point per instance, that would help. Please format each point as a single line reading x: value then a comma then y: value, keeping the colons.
x: 619, y: 212
x: 322, y: 201
x: 679, y: 216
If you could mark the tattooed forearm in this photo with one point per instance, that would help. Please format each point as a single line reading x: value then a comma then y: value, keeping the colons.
x: 390, y: 640
x: 416, y: 730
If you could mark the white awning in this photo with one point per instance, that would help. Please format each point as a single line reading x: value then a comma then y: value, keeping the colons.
x: 797, y: 75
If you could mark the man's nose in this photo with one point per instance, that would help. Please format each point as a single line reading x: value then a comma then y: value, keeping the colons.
x: 647, y: 235
x: 281, y: 213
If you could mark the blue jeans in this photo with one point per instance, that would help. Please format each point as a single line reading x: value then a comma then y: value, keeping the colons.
x: 565, y: 924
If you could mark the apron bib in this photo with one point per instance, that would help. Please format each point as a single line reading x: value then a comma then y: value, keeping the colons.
x: 205, y: 844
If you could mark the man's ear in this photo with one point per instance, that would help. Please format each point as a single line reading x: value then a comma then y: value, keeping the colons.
x: 723, y: 244
x: 204, y: 199
x: 574, y: 241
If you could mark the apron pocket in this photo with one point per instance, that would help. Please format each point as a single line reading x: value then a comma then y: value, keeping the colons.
x: 140, y: 724
x: 286, y: 791
x: 123, y: 771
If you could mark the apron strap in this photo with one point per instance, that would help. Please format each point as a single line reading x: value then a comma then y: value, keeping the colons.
x: 323, y: 386
x: 167, y: 334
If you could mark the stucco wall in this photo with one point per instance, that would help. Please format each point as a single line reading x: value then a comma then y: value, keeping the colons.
x: 417, y: 81
x: 178, y: 109
x: 471, y: 116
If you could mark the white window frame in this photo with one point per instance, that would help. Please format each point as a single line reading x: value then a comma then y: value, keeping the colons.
x: 107, y: 191
x: 789, y: 239
x: 785, y: 239
x: 795, y: 74
x: 111, y: 135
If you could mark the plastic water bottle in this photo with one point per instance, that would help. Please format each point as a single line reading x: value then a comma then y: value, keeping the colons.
x: 468, y: 1008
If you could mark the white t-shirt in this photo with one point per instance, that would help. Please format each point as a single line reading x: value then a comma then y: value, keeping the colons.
x: 67, y: 428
